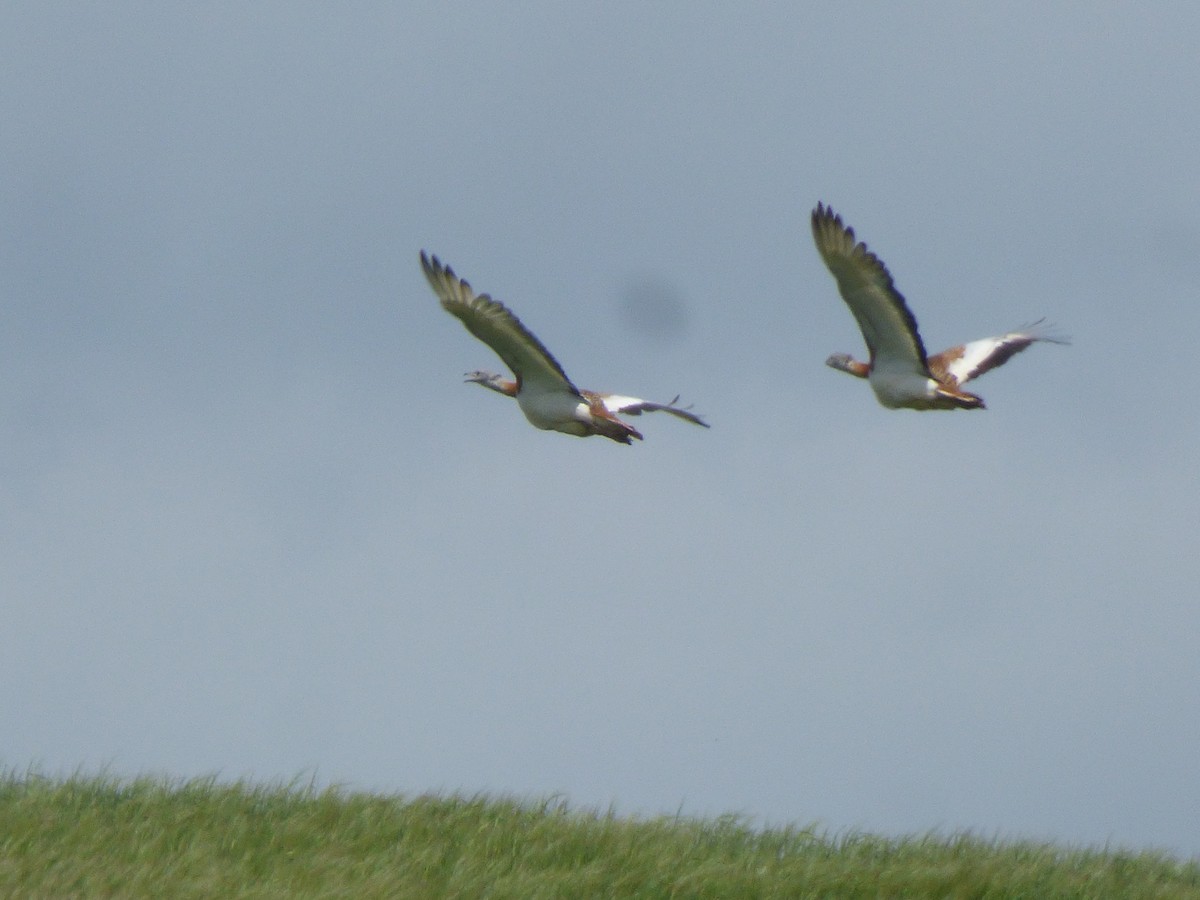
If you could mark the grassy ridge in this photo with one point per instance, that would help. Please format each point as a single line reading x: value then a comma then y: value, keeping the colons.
x: 99, y: 837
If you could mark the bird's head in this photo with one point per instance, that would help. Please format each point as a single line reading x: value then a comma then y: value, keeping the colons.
x: 493, y: 381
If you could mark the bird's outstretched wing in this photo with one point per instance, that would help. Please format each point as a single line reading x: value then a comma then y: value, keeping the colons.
x: 960, y: 364
x: 492, y: 322
x: 632, y: 406
x: 887, y: 324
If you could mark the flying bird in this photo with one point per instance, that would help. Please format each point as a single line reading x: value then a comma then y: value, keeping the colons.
x: 542, y: 389
x: 899, y: 371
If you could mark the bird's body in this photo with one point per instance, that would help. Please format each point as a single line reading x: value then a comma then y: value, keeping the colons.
x: 899, y: 371
x: 542, y: 389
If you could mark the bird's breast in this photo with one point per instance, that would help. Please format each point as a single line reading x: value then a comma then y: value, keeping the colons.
x: 554, y: 411
x: 898, y: 389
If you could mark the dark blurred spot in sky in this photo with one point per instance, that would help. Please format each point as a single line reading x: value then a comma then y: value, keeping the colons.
x: 651, y: 307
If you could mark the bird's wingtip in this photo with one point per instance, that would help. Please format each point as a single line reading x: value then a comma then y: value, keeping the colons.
x: 1041, y: 330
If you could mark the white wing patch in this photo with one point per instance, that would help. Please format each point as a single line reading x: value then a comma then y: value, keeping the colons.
x: 634, y: 406
x: 615, y: 403
x: 961, y: 364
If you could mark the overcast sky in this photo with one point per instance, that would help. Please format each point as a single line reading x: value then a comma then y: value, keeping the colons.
x: 253, y: 524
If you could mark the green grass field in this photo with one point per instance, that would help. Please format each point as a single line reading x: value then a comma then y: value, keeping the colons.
x: 101, y: 837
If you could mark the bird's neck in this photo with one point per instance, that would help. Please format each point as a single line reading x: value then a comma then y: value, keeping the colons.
x: 854, y: 367
x: 501, y: 386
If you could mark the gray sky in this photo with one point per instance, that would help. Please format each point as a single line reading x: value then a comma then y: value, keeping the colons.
x: 252, y: 522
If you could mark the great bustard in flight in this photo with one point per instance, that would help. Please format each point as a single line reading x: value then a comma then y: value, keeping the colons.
x: 900, y: 373
x: 545, y: 394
